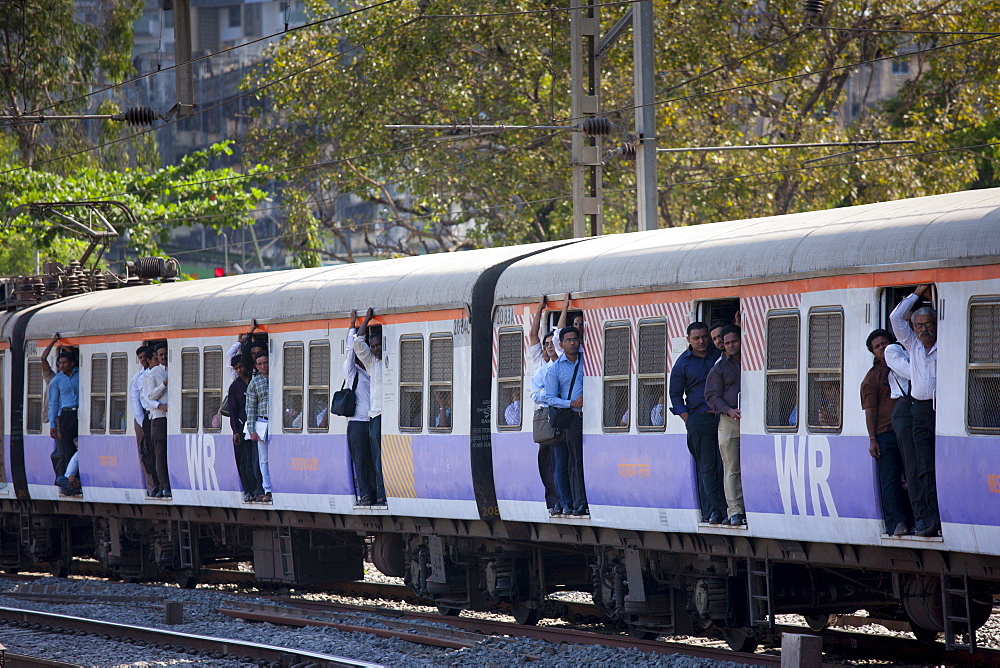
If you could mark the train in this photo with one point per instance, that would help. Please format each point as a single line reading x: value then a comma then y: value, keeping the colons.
x: 465, y: 522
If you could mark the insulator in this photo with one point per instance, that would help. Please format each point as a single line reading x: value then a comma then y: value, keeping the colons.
x: 596, y: 127
x: 138, y: 116
x: 149, y: 267
x: 99, y: 281
x: 813, y: 9
x: 628, y: 151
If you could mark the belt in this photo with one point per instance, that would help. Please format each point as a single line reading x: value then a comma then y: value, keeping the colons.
x: 69, y: 408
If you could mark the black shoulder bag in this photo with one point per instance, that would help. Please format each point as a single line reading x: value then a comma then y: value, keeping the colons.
x: 345, y: 400
x: 560, y: 418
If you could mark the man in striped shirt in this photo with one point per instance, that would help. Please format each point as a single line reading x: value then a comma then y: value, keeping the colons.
x: 258, y: 401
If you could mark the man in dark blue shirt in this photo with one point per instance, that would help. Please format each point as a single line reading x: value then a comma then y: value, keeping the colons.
x: 687, y: 399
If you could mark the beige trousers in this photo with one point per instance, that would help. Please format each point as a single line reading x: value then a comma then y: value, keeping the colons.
x: 729, y: 448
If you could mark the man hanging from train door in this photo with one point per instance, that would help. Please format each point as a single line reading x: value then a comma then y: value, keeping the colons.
x: 722, y: 392
x: 921, y: 345
x: 368, y: 348
x: 141, y: 416
x: 563, y: 388
x: 687, y: 399
x: 258, y: 403
x: 155, y: 384
x: 358, y: 425
x: 64, y: 400
x: 543, y: 355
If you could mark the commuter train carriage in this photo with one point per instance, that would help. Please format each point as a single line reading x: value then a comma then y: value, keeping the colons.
x: 465, y: 521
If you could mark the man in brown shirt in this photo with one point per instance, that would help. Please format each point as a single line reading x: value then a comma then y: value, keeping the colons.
x: 877, y: 402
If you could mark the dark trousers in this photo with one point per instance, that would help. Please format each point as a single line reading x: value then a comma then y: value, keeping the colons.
x: 574, y: 461
x: 247, y: 465
x: 68, y: 430
x: 560, y: 474
x: 142, y: 445
x: 158, y: 441
x: 364, y: 468
x: 902, y: 424
x: 545, y: 471
x: 895, y: 504
x: 375, y: 447
x: 703, y: 444
x: 923, y: 448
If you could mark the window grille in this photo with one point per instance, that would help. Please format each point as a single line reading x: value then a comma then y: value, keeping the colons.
x: 118, y: 396
x: 510, y: 375
x: 826, y: 354
x: 211, y: 385
x: 411, y: 383
x: 617, y: 362
x: 440, y: 416
x: 190, y: 385
x: 651, y: 397
x: 983, y: 401
x: 319, y: 386
x: 782, y: 370
x: 292, y: 377
x: 98, y: 392
x: 33, y: 412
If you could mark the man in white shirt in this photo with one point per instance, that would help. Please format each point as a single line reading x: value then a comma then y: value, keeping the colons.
x: 921, y: 345
x: 370, y: 353
x: 155, y: 384
x: 541, y: 352
x: 136, y: 403
x: 356, y: 376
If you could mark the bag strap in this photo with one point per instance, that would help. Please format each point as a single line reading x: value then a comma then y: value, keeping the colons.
x: 354, y: 387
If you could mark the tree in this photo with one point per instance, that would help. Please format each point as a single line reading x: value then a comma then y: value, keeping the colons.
x: 731, y: 72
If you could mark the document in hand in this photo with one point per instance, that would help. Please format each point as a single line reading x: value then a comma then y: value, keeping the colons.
x: 262, y: 428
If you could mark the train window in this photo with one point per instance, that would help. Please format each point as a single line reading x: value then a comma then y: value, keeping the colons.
x: 617, y: 377
x: 510, y: 375
x: 190, y: 385
x: 319, y: 386
x: 411, y: 383
x: 98, y: 392
x: 292, y: 376
x: 652, y: 376
x: 118, y: 397
x: 439, y: 417
x: 711, y: 311
x: 782, y: 389
x: 826, y: 355
x: 211, y: 385
x: 33, y: 414
x: 893, y: 295
x: 983, y: 400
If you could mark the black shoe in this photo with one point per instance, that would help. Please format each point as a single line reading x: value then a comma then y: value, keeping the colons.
x: 902, y: 530
x: 716, y: 518
x: 365, y: 500
x: 555, y: 510
x: 929, y: 532
x: 738, y: 519
x: 380, y: 502
x: 165, y: 493
x: 580, y: 511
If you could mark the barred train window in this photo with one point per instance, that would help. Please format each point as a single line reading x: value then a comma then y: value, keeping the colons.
x: 411, y: 383
x: 33, y: 414
x: 510, y: 375
x: 98, y: 392
x: 983, y: 407
x: 190, y: 385
x: 292, y: 377
x: 652, y: 376
x: 319, y: 386
x: 782, y: 389
x: 617, y: 358
x: 211, y: 385
x: 118, y: 397
x: 826, y: 355
x: 439, y: 416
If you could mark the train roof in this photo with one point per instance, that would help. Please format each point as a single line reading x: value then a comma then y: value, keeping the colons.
x: 955, y: 229
x: 398, y: 285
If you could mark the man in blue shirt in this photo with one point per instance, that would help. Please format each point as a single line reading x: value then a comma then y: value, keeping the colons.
x: 564, y: 389
x: 687, y: 399
x: 64, y: 399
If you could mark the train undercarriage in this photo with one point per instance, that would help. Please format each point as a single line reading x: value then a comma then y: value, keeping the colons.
x: 676, y: 585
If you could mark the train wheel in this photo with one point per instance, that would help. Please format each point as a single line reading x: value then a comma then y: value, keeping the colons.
x: 740, y: 640
x: 525, y: 613
x: 388, y: 554
x: 449, y: 612
x: 817, y: 622
x: 926, y: 636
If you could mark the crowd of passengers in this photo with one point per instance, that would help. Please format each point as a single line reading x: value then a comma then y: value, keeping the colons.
x: 897, y: 395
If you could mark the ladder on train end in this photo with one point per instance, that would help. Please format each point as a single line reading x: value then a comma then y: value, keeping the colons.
x: 185, y: 544
x: 957, y: 608
x: 760, y: 593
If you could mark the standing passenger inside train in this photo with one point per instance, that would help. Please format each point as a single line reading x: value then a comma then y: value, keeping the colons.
x: 155, y: 384
x: 722, y: 392
x: 356, y: 375
x: 687, y: 399
x: 563, y: 317
x: 64, y: 400
x: 921, y: 345
x: 368, y: 348
x: 257, y: 406
x: 140, y: 416
x: 543, y: 355
x: 715, y: 332
x: 245, y: 450
x: 878, y: 404
x: 563, y: 388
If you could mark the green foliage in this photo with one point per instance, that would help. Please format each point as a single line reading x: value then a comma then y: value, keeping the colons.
x: 728, y: 73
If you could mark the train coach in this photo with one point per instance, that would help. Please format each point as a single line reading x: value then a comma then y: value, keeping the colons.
x: 465, y: 520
